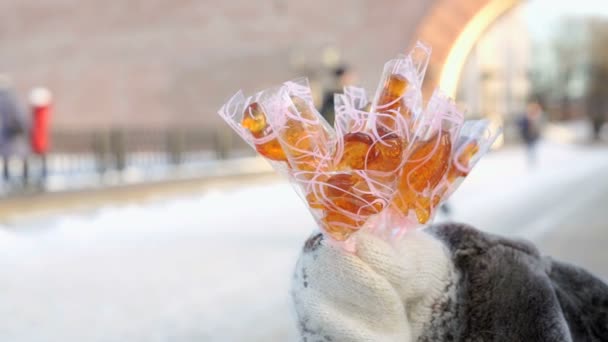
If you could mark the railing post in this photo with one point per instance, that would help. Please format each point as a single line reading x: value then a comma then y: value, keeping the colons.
x: 175, y: 146
x: 44, y: 172
x: 118, y: 149
x: 223, y: 143
x: 5, y: 168
x: 26, y: 171
x: 101, y: 148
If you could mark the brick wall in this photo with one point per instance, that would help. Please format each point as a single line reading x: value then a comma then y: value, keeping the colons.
x: 170, y: 62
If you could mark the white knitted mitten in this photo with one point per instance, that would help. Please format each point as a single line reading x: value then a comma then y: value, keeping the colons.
x: 380, y: 293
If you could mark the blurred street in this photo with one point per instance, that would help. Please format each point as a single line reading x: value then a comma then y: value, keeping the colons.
x: 581, y: 236
x: 561, y: 204
x: 215, y: 266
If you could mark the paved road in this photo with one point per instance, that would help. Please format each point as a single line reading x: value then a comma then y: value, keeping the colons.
x: 562, y: 208
x: 581, y: 236
x: 568, y: 222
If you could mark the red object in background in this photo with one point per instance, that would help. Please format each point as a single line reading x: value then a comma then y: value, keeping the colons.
x: 40, y: 128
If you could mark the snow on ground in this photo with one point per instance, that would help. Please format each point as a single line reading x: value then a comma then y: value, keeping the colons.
x: 216, y: 267
x: 504, y: 194
x: 206, y: 268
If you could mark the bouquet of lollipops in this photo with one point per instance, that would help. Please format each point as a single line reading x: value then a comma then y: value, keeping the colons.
x: 386, y: 165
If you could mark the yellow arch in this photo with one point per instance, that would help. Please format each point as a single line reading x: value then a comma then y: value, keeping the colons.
x: 452, y: 67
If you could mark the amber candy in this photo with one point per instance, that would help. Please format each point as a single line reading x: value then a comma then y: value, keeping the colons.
x: 389, y: 151
x: 298, y: 145
x: 357, y: 151
x: 347, y: 202
x: 391, y: 99
x: 340, y: 184
x: 350, y: 192
x: 340, y: 226
x: 315, y: 187
x: 424, y: 169
x: 306, y: 139
x: 453, y: 173
x: 314, y: 128
x: 302, y: 107
x: 394, y: 87
x: 335, y: 186
x: 423, y: 208
x: 428, y: 162
x: 463, y: 159
x: 255, y: 120
x: 313, y: 201
x: 296, y: 137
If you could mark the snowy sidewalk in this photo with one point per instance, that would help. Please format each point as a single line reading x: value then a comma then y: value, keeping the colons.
x: 504, y: 195
x: 216, y: 267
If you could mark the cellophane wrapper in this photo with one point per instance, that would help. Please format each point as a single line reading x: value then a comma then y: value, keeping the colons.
x: 385, y: 166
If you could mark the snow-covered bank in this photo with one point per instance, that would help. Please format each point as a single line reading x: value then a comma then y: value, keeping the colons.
x: 201, y: 268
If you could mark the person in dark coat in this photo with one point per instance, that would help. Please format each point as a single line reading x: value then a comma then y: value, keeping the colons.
x: 343, y: 76
x: 530, y: 126
x: 449, y: 282
x: 13, y: 126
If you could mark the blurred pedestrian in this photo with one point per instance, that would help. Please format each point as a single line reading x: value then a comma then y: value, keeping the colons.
x: 342, y: 76
x: 41, y: 107
x: 13, y: 128
x: 530, y: 128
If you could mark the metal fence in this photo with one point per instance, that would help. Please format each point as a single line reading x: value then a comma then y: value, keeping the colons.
x: 95, y: 157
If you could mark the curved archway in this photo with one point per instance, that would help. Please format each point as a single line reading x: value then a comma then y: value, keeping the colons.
x: 452, y: 28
